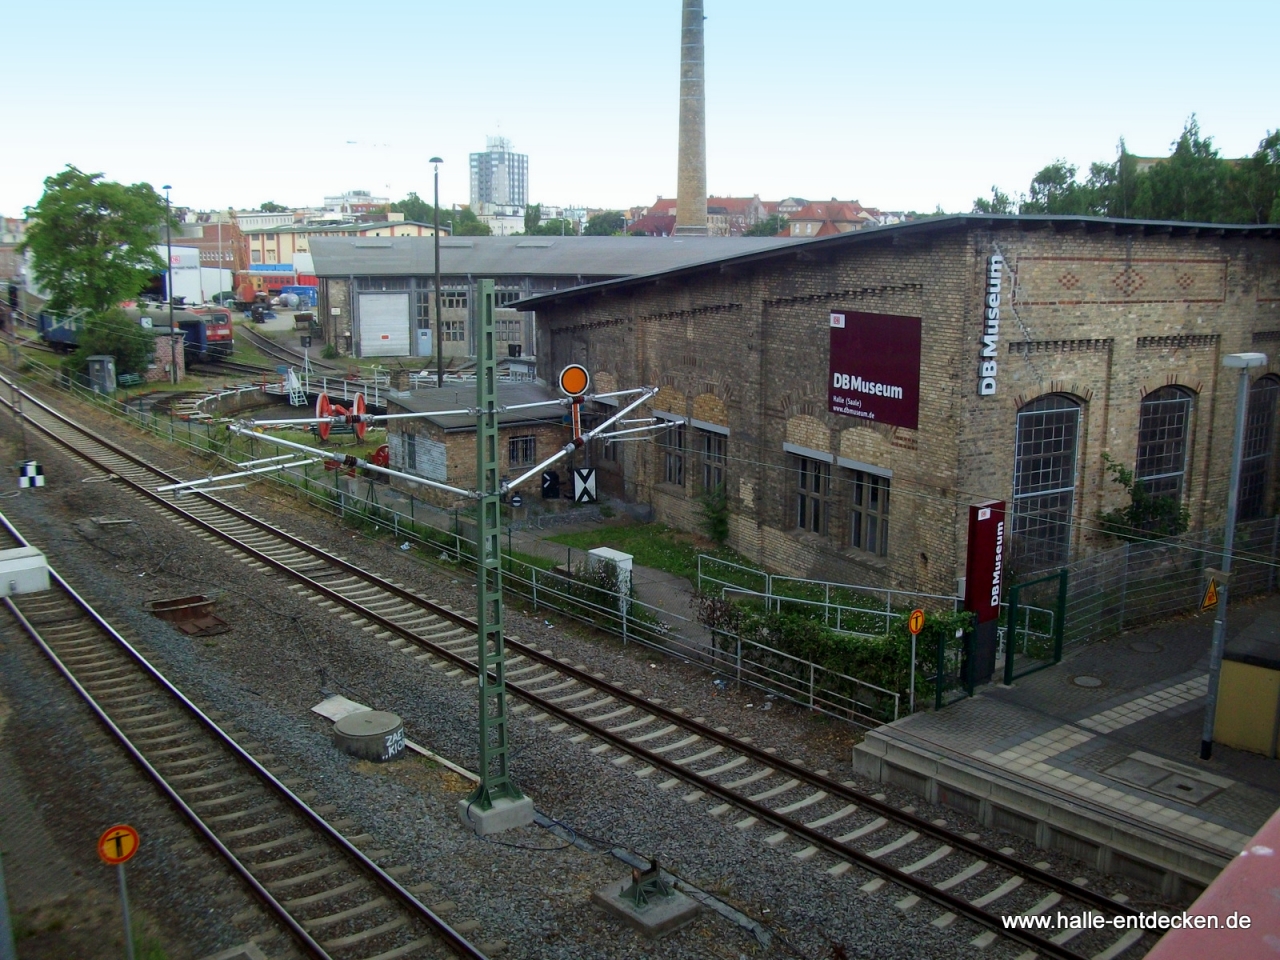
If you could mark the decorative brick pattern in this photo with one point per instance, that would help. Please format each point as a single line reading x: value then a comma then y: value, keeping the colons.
x: 1046, y: 280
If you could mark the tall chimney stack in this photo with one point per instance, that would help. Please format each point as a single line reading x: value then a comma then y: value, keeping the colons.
x: 691, y: 179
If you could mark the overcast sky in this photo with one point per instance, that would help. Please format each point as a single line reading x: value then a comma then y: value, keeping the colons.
x: 902, y: 105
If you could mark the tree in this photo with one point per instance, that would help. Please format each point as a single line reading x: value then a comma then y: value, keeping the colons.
x: 1000, y: 202
x: 415, y: 208
x: 272, y: 207
x: 605, y: 224
x: 1145, y: 516
x: 467, y: 224
x: 114, y: 334
x: 92, y: 240
x: 768, y: 227
x: 1253, y: 185
x: 532, y: 217
x: 554, y: 228
x: 1190, y: 185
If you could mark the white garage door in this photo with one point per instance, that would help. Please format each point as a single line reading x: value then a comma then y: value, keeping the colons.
x: 384, y: 324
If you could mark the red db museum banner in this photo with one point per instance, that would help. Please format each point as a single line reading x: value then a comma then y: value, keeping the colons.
x: 875, y: 367
x: 984, y: 566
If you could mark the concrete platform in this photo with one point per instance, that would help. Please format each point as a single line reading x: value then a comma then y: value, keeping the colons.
x: 1107, y: 773
x: 505, y: 814
x: 662, y: 916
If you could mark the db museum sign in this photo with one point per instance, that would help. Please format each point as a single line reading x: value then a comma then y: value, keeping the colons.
x: 875, y: 367
x: 984, y: 582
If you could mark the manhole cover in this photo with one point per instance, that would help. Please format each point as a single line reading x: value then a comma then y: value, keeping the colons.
x: 1085, y: 681
x: 1145, y: 646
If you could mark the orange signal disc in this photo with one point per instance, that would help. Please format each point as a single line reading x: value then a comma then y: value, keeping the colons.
x: 574, y: 380
x: 118, y: 844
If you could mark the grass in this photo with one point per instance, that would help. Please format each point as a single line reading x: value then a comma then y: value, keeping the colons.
x: 653, y: 545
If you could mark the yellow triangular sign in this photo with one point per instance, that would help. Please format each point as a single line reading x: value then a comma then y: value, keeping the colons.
x: 1210, y: 598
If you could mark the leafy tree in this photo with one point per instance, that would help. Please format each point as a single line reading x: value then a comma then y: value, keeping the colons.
x: 272, y: 207
x: 713, y: 514
x: 415, y: 208
x: 1190, y: 185
x: 467, y: 224
x: 768, y: 227
x: 114, y: 334
x: 1145, y: 516
x: 1253, y: 185
x: 532, y: 217
x: 91, y: 240
x: 554, y: 228
x: 605, y: 224
x: 1000, y: 202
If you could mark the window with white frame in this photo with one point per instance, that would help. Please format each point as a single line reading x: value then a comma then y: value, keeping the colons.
x: 1163, y: 433
x: 671, y: 440
x: 507, y: 331
x: 453, y: 300
x: 453, y: 331
x: 1044, y: 480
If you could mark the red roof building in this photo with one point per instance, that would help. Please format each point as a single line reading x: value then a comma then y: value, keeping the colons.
x: 824, y: 219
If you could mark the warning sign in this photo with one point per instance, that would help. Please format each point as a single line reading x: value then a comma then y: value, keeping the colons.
x: 915, y: 622
x: 118, y: 844
x: 1210, y: 598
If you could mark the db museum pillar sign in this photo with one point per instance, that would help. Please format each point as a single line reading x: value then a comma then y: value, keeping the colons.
x: 983, y: 584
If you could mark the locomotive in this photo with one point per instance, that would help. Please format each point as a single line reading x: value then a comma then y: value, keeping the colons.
x: 208, y: 333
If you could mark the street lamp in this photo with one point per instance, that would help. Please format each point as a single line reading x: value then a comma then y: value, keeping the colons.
x: 1244, y: 362
x: 168, y: 242
x: 436, y: 231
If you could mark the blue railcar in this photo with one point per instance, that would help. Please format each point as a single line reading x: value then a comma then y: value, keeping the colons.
x: 208, y: 333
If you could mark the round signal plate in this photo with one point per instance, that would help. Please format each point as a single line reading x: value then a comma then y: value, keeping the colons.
x: 358, y: 409
x: 574, y: 380
x: 323, y: 409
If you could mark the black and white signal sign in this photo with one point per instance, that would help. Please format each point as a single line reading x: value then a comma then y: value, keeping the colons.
x: 584, y: 485
x: 30, y: 474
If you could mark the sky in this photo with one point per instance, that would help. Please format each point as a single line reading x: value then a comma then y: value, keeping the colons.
x: 901, y: 106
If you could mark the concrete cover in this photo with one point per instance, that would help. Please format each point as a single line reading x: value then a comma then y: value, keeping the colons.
x: 503, y: 815
x: 664, y: 915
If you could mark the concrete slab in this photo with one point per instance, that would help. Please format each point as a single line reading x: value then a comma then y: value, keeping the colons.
x: 663, y: 915
x: 505, y: 814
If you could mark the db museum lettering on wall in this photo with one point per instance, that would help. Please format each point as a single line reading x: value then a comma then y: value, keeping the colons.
x: 875, y: 367
x: 991, y: 327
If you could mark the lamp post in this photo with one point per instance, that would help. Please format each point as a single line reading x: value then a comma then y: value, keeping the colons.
x: 436, y: 161
x: 1244, y: 362
x: 168, y: 242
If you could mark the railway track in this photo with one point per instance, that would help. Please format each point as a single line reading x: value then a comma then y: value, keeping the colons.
x: 273, y: 349
x: 951, y: 880
x: 333, y: 898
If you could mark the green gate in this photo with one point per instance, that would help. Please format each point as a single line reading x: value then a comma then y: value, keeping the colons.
x: 1033, y: 622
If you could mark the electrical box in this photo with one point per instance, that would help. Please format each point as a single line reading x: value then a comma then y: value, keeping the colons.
x: 102, y: 374
x: 23, y: 570
x: 621, y: 562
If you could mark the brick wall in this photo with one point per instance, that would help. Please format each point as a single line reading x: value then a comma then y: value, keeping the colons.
x: 1100, y: 315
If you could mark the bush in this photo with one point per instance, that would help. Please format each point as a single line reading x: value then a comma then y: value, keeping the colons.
x: 1145, y: 516
x: 713, y: 517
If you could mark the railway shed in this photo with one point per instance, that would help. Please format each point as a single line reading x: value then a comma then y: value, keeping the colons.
x: 854, y: 394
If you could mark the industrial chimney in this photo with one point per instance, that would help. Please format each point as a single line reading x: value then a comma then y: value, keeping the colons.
x: 691, y: 181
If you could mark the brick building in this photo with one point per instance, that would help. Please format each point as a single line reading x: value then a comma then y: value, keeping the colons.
x: 443, y: 447
x: 1109, y: 339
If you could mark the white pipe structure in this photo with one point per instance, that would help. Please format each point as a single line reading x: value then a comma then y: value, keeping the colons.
x: 292, y: 462
x: 574, y: 444
x: 346, y: 460
x: 608, y: 437
x: 349, y: 461
x: 349, y: 418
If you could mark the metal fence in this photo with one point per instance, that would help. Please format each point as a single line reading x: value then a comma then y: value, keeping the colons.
x: 1138, y: 583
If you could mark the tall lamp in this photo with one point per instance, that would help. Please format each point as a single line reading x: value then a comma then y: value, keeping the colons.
x: 1244, y: 362
x: 436, y: 161
x: 168, y: 243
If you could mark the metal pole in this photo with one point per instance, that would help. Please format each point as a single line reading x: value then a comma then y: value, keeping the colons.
x: 913, y: 675
x: 168, y: 242
x: 1243, y: 362
x: 496, y: 781
x: 7, y: 949
x: 439, y: 324
x: 124, y: 906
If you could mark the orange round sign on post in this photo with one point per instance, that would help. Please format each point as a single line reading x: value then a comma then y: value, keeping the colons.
x: 915, y: 622
x: 118, y: 844
x: 574, y: 380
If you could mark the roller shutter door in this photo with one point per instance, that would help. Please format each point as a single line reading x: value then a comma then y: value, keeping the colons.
x: 384, y: 324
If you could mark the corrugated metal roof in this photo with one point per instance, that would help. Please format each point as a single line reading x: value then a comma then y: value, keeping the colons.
x: 464, y: 395
x: 594, y: 257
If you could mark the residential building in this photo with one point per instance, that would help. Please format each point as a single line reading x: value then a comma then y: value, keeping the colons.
x: 355, y: 204
x: 283, y: 244
x: 824, y: 219
x: 856, y: 393
x: 499, y: 178
x: 251, y: 220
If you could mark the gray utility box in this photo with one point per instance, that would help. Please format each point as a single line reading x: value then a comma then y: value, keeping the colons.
x: 23, y: 570
x: 102, y: 374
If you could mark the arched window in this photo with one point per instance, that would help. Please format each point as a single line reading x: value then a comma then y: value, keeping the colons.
x: 1163, y: 432
x: 1044, y: 480
x: 1259, y: 435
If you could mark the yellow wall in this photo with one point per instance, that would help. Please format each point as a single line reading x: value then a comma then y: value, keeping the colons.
x: 1247, y: 701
